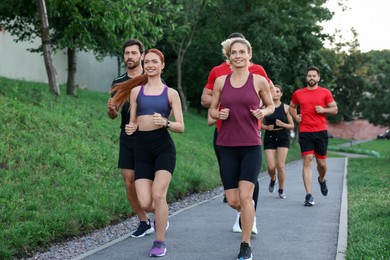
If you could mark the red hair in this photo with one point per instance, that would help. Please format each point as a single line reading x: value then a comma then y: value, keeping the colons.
x: 122, y: 90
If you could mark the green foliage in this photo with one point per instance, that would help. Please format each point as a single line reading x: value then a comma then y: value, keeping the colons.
x: 284, y: 35
x: 97, y: 25
x: 376, y: 106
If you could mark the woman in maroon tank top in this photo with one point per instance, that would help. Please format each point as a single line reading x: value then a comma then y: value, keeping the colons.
x: 239, y: 94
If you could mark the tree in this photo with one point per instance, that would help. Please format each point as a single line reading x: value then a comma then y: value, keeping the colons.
x: 50, y: 69
x: 285, y: 37
x: 78, y: 25
x: 376, y: 105
x: 123, y: 20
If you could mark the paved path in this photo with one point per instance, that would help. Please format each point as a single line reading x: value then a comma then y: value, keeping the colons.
x: 287, y: 229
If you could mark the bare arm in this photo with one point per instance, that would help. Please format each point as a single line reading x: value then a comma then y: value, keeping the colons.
x: 264, y: 91
x: 112, y: 109
x: 207, y: 97
x: 210, y: 121
x: 330, y: 109
x: 216, y: 114
x: 290, y: 122
x: 293, y: 112
x: 132, y: 126
x: 178, y: 124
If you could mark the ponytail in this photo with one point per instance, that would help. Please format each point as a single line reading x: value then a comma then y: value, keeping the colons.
x: 123, y: 89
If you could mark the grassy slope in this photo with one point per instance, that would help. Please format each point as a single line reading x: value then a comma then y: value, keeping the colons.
x: 58, y: 165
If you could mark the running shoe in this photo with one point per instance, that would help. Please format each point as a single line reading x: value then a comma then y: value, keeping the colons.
x: 144, y: 228
x: 282, y: 195
x: 158, y: 249
x: 237, y: 224
x: 324, y: 188
x: 166, y: 228
x: 245, y: 252
x: 309, y: 200
x: 272, y: 186
x: 254, y: 228
x: 224, y: 199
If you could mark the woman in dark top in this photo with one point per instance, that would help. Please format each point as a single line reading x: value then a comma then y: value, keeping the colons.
x: 277, y: 141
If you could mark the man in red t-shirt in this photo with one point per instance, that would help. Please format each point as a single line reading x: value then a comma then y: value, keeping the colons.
x: 207, y: 95
x: 314, y: 102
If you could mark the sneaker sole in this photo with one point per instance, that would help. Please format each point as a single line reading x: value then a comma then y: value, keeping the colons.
x: 241, y: 258
x: 308, y: 204
x: 163, y: 254
x: 147, y: 232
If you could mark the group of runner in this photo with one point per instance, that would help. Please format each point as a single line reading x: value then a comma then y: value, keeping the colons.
x: 242, y: 100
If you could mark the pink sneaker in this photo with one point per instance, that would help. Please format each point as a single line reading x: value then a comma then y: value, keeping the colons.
x: 158, y: 248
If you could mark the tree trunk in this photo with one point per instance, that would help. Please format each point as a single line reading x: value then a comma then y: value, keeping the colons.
x: 183, y: 97
x: 46, y: 45
x: 71, y: 85
x: 118, y: 60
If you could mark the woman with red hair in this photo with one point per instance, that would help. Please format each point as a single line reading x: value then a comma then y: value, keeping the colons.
x: 152, y: 103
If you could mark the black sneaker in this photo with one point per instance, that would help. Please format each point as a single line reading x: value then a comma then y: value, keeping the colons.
x: 245, y: 252
x: 224, y: 199
x: 272, y: 186
x: 309, y: 200
x: 144, y: 228
x: 324, y: 188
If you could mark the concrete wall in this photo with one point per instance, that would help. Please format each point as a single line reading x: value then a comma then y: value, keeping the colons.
x: 18, y: 63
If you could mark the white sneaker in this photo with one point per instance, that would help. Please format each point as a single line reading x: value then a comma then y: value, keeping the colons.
x: 236, y: 226
x: 254, y: 228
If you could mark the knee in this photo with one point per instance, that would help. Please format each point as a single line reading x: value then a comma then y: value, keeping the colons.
x: 233, y: 202
x: 281, y: 167
x: 321, y: 164
x: 307, y: 161
x: 146, y: 205
x: 158, y: 198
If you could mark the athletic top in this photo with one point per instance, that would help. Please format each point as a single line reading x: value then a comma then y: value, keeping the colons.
x: 224, y: 69
x: 307, y: 100
x: 149, y: 104
x: 241, y: 127
x: 279, y: 113
x: 125, y: 112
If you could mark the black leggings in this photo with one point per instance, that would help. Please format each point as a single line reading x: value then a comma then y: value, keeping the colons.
x: 239, y: 163
x: 154, y: 151
x: 217, y: 154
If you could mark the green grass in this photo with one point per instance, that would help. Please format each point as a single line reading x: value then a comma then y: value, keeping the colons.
x: 368, y: 208
x: 59, y: 178
x: 58, y: 169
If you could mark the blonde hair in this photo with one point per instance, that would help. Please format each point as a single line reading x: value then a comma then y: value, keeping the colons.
x: 227, y: 46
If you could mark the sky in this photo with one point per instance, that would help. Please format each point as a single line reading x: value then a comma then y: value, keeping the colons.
x: 370, y: 18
